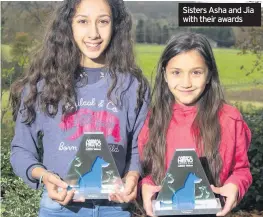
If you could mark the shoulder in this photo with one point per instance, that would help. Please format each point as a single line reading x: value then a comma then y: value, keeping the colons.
x: 230, y: 112
x: 129, y: 79
x: 130, y: 84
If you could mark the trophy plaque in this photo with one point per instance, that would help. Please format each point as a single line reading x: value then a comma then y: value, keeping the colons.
x: 185, y: 188
x: 93, y: 172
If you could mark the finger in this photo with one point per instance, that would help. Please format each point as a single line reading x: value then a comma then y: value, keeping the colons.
x: 130, y: 184
x: 111, y: 197
x: 216, y: 189
x: 234, y: 205
x: 79, y: 200
x: 69, y: 196
x: 116, y: 198
x: 119, y: 198
x: 130, y: 197
x: 227, y: 208
x: 54, y: 194
x: 54, y: 179
x: 147, y: 197
x: 157, y: 189
x: 147, y: 205
x: 152, y: 190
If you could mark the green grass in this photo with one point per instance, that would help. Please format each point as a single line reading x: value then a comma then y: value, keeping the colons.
x: 4, y: 99
x: 147, y: 57
x: 6, y: 52
x: 247, y: 106
x: 228, y: 63
x: 4, y: 105
x: 258, y: 105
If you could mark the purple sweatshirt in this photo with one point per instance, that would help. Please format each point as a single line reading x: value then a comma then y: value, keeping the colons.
x: 62, y: 136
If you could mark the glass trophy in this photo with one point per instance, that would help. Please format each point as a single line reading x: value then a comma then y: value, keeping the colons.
x: 93, y: 172
x: 185, y: 188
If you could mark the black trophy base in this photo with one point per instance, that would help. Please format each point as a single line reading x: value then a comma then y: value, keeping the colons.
x: 205, y: 207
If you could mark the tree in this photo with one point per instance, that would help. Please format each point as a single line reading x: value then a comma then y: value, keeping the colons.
x: 149, y: 32
x: 253, y: 43
x: 165, y: 34
x: 140, y: 32
x: 158, y: 33
x: 24, y: 16
x: 21, y: 49
x: 11, y: 71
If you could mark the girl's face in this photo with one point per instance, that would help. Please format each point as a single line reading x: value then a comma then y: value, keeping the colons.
x: 187, y: 75
x: 92, y: 30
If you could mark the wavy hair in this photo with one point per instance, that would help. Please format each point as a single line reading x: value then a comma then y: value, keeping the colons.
x: 206, y: 126
x: 57, y: 63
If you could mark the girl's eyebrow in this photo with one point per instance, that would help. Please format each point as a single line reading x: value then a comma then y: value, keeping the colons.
x: 174, y: 68
x: 86, y: 16
x: 198, y: 67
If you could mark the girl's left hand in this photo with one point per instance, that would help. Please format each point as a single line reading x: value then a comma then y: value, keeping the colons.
x: 230, y: 191
x: 130, y: 189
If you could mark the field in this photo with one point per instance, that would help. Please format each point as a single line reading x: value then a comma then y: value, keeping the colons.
x: 238, y: 86
x: 228, y: 63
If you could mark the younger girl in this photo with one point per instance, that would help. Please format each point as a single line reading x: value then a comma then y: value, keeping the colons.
x: 84, y: 79
x: 188, y: 111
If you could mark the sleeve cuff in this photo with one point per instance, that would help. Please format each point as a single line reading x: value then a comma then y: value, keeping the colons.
x: 29, y: 172
x: 134, y: 166
x: 145, y: 180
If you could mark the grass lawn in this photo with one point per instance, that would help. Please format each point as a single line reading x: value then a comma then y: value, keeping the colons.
x: 238, y: 86
x: 5, y: 52
x: 228, y: 63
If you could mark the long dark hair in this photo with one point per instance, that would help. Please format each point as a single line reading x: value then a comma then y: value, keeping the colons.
x: 57, y: 63
x: 205, y: 128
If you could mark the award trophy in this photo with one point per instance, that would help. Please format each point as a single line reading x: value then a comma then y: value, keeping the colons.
x: 185, y: 188
x: 93, y: 172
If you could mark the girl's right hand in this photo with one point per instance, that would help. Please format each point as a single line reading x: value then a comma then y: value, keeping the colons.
x: 148, y: 194
x: 57, y: 189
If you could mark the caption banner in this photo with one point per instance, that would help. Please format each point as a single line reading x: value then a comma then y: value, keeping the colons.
x: 219, y: 14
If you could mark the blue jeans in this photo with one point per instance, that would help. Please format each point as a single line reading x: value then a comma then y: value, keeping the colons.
x: 94, y: 208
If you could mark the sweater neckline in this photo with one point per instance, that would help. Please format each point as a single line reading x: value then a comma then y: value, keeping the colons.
x: 184, y: 108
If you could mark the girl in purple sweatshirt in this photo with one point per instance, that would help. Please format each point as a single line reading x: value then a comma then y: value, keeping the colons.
x: 83, y: 79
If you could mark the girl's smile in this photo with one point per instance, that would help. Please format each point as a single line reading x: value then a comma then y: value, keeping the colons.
x: 93, y: 46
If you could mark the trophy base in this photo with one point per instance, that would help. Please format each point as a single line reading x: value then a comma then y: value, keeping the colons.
x: 94, y: 193
x: 211, y: 206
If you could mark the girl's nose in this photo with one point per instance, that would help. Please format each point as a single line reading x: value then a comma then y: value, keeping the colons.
x: 93, y: 32
x: 186, y: 81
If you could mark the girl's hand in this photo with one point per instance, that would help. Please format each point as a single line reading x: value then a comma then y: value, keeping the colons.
x: 57, y: 189
x: 148, y: 194
x: 130, y: 189
x: 230, y: 191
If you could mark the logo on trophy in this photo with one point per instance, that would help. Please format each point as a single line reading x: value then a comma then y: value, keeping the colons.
x: 185, y: 188
x: 93, y: 172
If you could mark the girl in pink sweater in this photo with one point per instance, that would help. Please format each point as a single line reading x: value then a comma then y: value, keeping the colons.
x: 189, y: 111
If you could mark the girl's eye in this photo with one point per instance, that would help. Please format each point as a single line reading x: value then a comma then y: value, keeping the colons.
x: 197, y: 72
x: 82, y: 21
x: 104, y: 22
x: 175, y: 72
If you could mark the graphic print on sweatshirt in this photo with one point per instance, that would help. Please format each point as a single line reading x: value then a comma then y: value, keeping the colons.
x: 89, y: 120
